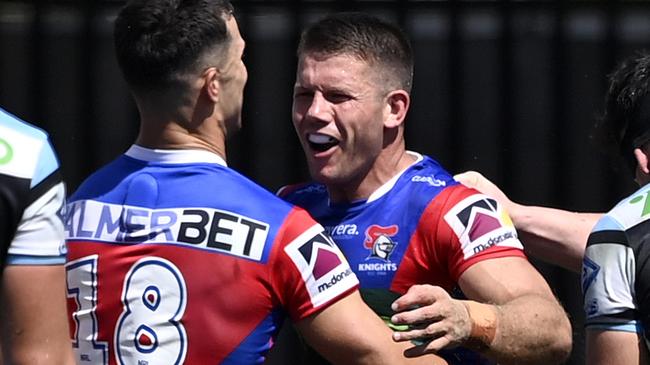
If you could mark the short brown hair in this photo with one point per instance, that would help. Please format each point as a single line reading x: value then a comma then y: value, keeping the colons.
x: 366, y: 37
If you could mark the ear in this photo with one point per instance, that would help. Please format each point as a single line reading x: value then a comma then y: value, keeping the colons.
x: 642, y: 160
x: 211, y: 85
x: 397, y: 104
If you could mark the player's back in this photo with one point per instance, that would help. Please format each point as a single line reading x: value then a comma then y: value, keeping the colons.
x: 172, y: 262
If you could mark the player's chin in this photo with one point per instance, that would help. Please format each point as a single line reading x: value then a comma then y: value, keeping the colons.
x: 323, y: 173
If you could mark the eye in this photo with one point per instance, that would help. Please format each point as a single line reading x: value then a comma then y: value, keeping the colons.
x: 338, y: 97
x: 301, y: 94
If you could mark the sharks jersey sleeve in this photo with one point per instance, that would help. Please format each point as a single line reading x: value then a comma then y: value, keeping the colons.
x: 616, y: 270
x: 32, y: 196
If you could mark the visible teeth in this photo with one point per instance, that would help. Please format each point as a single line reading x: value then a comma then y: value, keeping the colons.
x: 321, y: 138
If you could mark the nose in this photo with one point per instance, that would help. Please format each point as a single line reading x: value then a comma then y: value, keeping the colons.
x: 318, y: 108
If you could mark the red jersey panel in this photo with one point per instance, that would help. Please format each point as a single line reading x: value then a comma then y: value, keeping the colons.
x: 173, y: 262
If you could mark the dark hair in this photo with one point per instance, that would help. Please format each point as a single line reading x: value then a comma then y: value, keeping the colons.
x: 158, y: 42
x: 366, y: 37
x: 625, y: 123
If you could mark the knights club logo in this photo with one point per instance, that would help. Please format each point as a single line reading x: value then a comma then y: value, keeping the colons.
x: 379, y: 241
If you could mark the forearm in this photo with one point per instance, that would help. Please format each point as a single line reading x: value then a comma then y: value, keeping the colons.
x: 554, y: 235
x: 348, y: 332
x: 530, y: 329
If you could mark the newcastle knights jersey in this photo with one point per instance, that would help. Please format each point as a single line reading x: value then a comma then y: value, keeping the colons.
x: 174, y: 258
x: 421, y: 227
x: 615, y: 270
x: 32, y: 196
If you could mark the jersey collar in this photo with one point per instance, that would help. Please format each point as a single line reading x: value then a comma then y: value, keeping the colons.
x: 382, y: 190
x: 174, y: 156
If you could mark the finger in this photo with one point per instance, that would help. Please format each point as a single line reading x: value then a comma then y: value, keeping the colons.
x: 416, y: 316
x: 424, y: 332
x: 418, y: 295
x: 468, y: 178
x: 429, y: 347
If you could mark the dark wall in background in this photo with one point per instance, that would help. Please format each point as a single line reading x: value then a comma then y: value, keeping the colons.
x: 507, y: 88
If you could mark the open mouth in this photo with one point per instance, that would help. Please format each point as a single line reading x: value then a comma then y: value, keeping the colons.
x: 321, y: 142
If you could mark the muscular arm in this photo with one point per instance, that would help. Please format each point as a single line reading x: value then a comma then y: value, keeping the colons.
x: 523, y: 322
x: 34, y: 327
x: 615, y: 347
x: 348, y: 332
x: 553, y: 235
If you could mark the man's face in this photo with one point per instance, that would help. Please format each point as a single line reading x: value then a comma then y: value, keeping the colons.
x: 233, y: 76
x: 338, y: 112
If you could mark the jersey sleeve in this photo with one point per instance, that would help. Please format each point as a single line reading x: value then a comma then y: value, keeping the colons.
x: 33, y: 196
x: 39, y: 236
x: 608, y: 272
x: 473, y: 227
x: 309, y: 270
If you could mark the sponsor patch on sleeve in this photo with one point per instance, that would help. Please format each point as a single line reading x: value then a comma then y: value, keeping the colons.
x: 323, y: 267
x: 480, y: 222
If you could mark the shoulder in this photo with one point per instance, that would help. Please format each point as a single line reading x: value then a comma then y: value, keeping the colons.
x: 303, y: 193
x: 25, y: 151
x: 432, y: 184
x: 429, y: 173
x: 629, y: 212
x: 423, y: 181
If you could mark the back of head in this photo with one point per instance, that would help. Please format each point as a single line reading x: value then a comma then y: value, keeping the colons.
x: 367, y: 38
x: 625, y: 124
x: 160, y: 42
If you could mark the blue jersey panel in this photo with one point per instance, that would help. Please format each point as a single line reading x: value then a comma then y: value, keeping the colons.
x: 385, y: 225
x: 257, y: 342
x: 201, y: 186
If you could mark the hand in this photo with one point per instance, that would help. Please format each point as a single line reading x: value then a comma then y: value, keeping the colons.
x: 432, y: 315
x: 476, y: 180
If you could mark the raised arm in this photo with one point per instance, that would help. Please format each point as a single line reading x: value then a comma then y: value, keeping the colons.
x: 348, y: 332
x: 554, y: 235
x: 522, y: 321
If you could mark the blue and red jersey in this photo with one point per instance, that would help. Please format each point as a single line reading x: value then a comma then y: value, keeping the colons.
x: 175, y: 258
x: 421, y: 227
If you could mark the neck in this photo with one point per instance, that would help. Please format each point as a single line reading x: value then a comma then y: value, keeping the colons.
x: 183, y: 128
x: 385, y: 167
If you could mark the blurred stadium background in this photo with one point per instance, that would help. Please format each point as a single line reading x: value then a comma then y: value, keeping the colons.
x: 508, y: 88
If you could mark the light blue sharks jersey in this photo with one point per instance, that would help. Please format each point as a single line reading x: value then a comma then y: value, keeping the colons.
x: 616, y: 268
x: 32, y: 196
